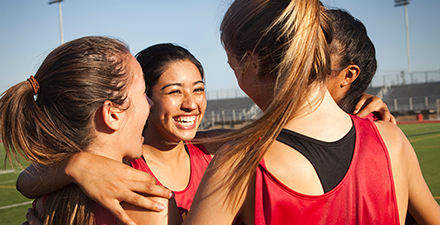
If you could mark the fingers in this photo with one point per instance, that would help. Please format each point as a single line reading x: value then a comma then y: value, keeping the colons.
x: 144, y: 202
x: 393, y: 120
x: 359, y: 106
x: 32, y: 218
x: 117, y: 210
x: 151, y: 189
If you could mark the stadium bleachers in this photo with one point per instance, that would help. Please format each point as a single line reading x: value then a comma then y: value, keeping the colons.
x: 226, y: 113
x: 411, y: 99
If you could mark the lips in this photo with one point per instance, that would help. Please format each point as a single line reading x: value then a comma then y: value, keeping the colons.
x: 185, y: 122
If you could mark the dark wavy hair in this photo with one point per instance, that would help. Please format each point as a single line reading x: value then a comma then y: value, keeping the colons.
x: 353, y: 46
x: 155, y: 59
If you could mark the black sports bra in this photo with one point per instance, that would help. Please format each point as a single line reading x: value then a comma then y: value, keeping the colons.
x: 331, y: 160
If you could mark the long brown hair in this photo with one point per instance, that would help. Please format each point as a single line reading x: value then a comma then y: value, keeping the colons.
x: 51, y: 125
x: 290, y: 38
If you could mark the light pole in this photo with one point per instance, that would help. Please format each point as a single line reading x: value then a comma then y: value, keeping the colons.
x: 61, y: 18
x: 405, y: 3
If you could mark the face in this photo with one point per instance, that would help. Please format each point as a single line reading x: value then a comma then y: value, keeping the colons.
x: 179, y: 103
x: 137, y: 112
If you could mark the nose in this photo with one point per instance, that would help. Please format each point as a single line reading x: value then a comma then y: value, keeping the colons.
x: 189, y: 103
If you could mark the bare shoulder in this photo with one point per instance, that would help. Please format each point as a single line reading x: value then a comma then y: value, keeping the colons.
x: 394, y: 138
x: 204, y: 136
x: 212, y: 133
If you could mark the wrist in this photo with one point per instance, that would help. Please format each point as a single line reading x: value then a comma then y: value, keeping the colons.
x: 72, y: 165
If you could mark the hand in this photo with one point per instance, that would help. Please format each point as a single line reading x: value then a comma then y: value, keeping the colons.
x: 370, y: 103
x: 32, y: 218
x: 109, y: 182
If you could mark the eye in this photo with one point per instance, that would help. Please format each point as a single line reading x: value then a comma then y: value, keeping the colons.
x: 199, y: 90
x: 174, y: 92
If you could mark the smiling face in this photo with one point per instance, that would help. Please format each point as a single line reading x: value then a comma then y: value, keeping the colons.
x: 179, y: 103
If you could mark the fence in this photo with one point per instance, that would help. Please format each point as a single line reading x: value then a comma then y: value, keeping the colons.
x: 402, y: 78
x: 411, y: 104
x: 230, y: 118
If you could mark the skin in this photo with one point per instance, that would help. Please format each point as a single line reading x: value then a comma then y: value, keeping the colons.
x: 180, y: 104
x: 178, y: 95
x: 297, y: 173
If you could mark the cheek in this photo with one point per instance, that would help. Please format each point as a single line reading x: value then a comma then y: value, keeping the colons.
x: 201, y: 102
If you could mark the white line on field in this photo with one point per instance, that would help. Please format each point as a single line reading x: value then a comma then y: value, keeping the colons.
x: 6, y: 181
x: 15, y: 205
x: 6, y: 171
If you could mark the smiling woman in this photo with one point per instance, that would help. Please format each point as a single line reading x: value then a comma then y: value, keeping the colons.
x: 180, y: 101
x: 174, y: 80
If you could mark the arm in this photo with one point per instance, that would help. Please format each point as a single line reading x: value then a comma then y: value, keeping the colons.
x: 210, y: 203
x: 212, y: 147
x: 411, y: 189
x: 421, y: 205
x: 106, y: 186
x: 370, y: 103
x: 169, y: 216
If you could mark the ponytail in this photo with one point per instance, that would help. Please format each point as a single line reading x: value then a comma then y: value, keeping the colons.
x: 51, y: 116
x: 290, y: 39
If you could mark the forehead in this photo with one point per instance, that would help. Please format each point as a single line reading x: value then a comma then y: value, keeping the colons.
x: 180, y: 72
x: 135, y: 72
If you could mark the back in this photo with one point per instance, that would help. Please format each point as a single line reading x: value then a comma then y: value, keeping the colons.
x: 366, y: 195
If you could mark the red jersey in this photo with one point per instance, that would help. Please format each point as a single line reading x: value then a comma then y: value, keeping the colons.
x: 200, y: 159
x: 366, y: 194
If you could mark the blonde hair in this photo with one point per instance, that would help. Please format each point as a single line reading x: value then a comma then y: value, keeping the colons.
x: 291, y: 40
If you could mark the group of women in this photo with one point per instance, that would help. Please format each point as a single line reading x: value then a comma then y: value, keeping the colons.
x: 305, y: 161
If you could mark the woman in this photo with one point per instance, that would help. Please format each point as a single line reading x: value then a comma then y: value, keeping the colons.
x: 88, y: 95
x: 174, y: 80
x: 304, y: 161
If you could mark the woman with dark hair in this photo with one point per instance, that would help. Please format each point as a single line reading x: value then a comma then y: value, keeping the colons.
x: 174, y: 80
x: 88, y: 95
x: 353, y: 60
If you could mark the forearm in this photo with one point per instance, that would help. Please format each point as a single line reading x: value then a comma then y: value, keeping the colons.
x: 39, y: 180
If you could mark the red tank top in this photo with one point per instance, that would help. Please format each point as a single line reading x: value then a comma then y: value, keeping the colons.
x: 366, y: 194
x: 200, y: 159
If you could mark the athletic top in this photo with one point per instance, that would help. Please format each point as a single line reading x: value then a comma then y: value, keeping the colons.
x: 366, y: 194
x: 330, y: 159
x: 200, y: 159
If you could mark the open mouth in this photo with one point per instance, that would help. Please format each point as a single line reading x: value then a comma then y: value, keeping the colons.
x: 185, y: 121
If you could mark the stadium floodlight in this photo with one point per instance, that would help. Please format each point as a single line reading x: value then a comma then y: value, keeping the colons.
x: 405, y: 3
x: 60, y: 16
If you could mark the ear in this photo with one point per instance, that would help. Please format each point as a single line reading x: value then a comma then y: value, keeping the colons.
x: 254, y: 63
x: 351, y: 73
x: 112, y: 116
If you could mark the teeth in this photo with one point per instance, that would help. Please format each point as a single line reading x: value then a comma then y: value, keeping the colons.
x: 186, y: 120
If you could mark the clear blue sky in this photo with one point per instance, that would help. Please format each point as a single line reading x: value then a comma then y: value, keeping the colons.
x: 29, y: 30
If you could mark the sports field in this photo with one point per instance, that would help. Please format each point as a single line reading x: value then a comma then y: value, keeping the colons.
x: 425, y: 139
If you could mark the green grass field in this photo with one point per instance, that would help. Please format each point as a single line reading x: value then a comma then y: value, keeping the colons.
x: 425, y: 139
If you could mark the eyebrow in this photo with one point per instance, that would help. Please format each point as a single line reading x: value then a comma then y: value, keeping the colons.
x: 180, y: 84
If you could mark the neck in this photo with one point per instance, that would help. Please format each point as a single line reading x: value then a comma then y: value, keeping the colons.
x: 104, y: 147
x: 324, y: 120
x: 158, y: 149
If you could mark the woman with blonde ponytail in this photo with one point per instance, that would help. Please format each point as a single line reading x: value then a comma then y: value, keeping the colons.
x: 305, y: 161
x: 88, y: 95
